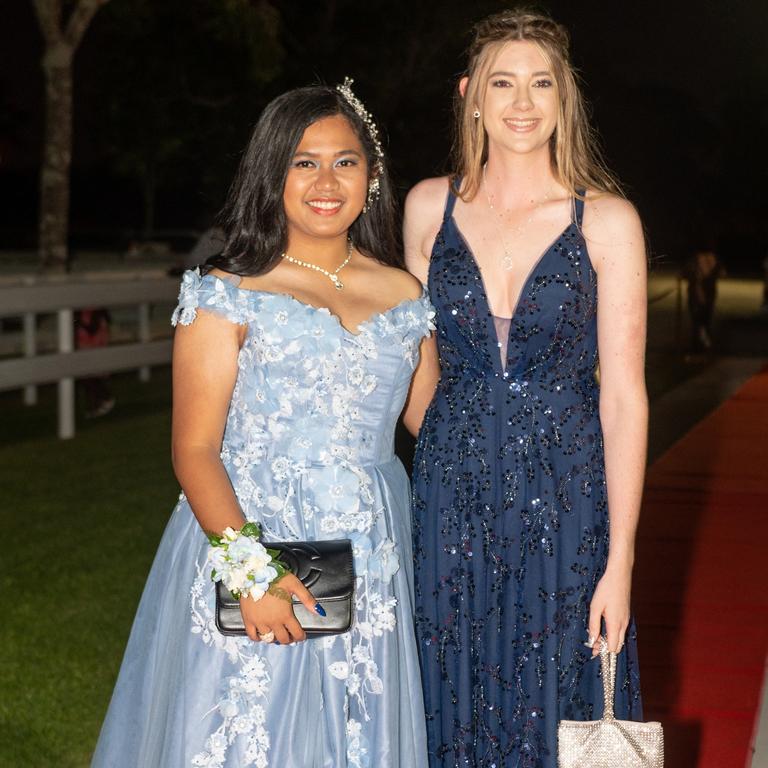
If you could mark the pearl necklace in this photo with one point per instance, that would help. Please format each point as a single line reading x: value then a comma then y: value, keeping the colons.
x: 332, y: 276
x: 507, y: 260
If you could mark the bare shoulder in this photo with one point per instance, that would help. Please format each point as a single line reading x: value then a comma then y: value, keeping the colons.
x: 427, y: 198
x: 393, y: 283
x: 611, y: 219
x: 614, y: 234
x: 423, y: 214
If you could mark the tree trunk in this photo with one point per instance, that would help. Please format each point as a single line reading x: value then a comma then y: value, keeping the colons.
x: 60, y: 46
x: 57, y: 155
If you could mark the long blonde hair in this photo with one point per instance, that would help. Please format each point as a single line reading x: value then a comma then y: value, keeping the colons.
x: 576, y: 159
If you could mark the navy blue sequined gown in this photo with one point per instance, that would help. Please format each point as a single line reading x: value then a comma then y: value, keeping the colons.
x: 511, y: 513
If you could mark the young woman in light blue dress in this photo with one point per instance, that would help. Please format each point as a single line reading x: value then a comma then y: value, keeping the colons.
x: 293, y: 359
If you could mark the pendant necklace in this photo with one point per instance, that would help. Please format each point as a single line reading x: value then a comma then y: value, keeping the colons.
x: 508, y: 260
x: 332, y: 276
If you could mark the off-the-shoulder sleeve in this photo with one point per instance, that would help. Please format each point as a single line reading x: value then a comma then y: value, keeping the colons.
x: 211, y: 294
x: 418, y: 317
x: 414, y: 320
x: 428, y: 314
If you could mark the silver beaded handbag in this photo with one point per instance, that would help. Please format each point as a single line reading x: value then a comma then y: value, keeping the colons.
x: 609, y: 743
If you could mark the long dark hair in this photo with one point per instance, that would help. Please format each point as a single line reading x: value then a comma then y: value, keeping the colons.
x: 253, y: 218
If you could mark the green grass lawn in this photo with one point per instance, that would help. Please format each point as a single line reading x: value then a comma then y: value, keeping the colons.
x: 80, y: 521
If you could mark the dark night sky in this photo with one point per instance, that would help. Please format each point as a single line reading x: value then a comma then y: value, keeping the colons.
x: 679, y: 92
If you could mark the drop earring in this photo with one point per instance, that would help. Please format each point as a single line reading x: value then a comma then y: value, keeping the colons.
x: 374, y: 192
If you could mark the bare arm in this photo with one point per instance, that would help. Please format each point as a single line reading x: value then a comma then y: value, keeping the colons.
x: 423, y: 215
x: 617, y: 248
x: 423, y: 385
x: 204, y: 374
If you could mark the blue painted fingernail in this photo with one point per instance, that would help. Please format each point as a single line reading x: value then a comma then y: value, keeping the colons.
x: 320, y: 610
x: 277, y: 642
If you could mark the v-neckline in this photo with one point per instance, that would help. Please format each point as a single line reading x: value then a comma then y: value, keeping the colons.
x: 528, y: 278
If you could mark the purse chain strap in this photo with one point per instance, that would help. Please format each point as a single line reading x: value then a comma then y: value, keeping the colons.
x: 608, y: 666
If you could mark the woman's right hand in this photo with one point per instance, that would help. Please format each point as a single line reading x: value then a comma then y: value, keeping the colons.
x: 273, y: 613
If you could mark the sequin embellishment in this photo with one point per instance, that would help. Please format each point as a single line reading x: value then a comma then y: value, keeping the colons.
x: 510, y: 513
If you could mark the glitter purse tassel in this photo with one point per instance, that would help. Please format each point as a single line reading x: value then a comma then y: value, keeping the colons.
x: 609, y: 743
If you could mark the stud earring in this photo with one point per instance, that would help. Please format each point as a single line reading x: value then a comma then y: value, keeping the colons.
x: 476, y: 114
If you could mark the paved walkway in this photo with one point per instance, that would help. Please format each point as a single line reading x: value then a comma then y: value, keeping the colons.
x: 703, y: 668
x: 677, y: 411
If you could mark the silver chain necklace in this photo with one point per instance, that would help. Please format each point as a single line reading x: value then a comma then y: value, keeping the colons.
x: 332, y: 276
x: 508, y: 259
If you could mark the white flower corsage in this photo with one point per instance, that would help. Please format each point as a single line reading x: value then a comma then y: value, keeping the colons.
x: 242, y: 563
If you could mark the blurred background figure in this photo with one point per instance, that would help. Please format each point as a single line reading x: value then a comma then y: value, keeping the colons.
x: 92, y: 330
x: 210, y: 243
x: 702, y: 272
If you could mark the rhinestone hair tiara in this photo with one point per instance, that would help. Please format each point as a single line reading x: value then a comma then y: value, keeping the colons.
x: 345, y: 89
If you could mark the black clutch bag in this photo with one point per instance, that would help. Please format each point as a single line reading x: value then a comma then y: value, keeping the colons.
x: 326, y: 570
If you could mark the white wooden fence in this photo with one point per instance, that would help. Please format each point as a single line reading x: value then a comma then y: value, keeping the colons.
x: 63, y: 297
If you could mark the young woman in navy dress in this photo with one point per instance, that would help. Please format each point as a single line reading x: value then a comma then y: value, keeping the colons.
x: 529, y: 466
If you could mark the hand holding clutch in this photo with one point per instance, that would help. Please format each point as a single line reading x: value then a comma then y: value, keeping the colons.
x: 324, y: 567
x: 271, y: 618
x: 609, y: 743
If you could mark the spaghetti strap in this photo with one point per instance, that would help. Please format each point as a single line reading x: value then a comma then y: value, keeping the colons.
x: 578, y: 207
x: 450, y: 200
x: 493, y: 468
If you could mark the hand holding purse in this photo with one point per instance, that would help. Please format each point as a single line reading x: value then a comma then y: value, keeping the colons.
x: 609, y: 743
x: 325, y: 568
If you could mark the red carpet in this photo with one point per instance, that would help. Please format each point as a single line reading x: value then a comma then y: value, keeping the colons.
x: 701, y: 584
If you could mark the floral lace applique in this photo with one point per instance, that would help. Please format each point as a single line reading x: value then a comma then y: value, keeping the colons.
x: 242, y: 716
x: 242, y: 706
x: 296, y: 448
x: 357, y: 745
x: 212, y: 294
x: 203, y: 620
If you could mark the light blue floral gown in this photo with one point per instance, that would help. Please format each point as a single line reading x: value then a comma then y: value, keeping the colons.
x: 308, y: 447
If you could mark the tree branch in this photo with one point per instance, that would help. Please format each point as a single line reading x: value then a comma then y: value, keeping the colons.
x: 80, y: 19
x: 48, y: 14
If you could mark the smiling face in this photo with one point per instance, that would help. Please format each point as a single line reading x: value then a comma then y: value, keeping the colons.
x: 327, y: 182
x: 520, y: 107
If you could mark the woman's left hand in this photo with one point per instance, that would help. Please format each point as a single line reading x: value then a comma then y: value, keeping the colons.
x: 610, y: 604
